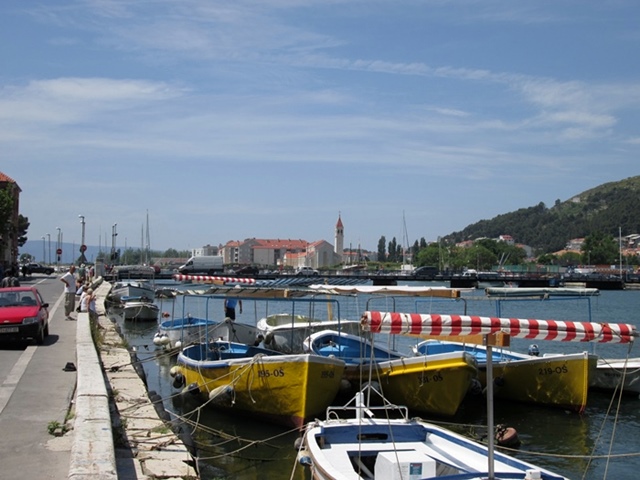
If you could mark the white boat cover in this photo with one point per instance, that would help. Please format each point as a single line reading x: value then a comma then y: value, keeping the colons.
x: 439, y: 325
x: 416, y: 291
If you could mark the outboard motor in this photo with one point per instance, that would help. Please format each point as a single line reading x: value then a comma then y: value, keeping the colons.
x: 534, y: 351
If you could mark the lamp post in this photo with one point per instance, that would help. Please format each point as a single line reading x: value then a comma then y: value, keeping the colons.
x: 58, y: 247
x: 44, y: 256
x: 49, y: 244
x: 114, y: 234
x: 83, y: 247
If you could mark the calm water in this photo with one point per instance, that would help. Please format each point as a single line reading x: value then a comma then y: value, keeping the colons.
x: 232, y: 446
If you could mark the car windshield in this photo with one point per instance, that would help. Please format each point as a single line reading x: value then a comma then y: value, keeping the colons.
x: 13, y: 299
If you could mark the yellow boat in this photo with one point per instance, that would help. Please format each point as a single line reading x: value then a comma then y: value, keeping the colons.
x: 435, y: 385
x: 276, y: 387
x: 560, y: 380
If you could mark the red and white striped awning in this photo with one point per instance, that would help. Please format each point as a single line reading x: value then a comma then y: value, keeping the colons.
x: 212, y: 279
x: 444, y: 325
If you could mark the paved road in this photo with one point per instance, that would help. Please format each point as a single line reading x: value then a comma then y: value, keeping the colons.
x: 34, y: 392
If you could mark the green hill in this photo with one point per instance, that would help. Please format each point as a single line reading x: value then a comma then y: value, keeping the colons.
x: 605, y: 208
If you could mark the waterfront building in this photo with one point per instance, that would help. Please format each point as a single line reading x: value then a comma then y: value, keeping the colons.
x: 9, y: 231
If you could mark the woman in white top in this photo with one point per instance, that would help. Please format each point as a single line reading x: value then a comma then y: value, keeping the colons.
x: 88, y: 302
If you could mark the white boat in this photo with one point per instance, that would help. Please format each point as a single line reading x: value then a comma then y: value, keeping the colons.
x: 142, y: 310
x: 286, y: 332
x: 131, y: 288
x: 180, y: 332
x: 615, y: 373
x: 386, y: 447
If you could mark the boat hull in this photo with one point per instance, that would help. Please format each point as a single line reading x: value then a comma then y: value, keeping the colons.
x: 560, y: 381
x: 436, y: 385
x: 557, y: 381
x: 343, y: 449
x: 142, y: 311
x: 181, y: 332
x: 610, y: 373
x: 283, y: 389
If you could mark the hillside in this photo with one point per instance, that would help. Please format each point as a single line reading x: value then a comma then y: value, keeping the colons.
x: 605, y: 208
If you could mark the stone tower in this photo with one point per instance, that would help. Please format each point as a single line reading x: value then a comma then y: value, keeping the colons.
x: 339, y: 240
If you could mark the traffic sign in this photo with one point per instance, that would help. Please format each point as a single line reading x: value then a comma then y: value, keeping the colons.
x: 83, y: 248
x: 59, y: 251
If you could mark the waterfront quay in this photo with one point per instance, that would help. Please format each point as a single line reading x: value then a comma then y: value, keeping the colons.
x: 71, y: 410
x: 455, y: 280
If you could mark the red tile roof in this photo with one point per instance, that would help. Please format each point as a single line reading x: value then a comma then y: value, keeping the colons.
x: 4, y: 178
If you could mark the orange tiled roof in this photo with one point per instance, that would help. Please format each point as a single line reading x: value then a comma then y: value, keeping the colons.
x: 4, y: 178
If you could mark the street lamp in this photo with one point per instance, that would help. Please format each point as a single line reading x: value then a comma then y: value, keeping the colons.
x: 58, y: 246
x: 114, y: 234
x: 44, y: 256
x: 83, y: 247
x: 49, y: 243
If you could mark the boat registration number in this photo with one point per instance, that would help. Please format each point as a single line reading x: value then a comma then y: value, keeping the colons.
x: 9, y: 330
x: 276, y: 372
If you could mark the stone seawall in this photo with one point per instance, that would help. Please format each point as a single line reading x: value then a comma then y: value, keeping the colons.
x: 142, y: 445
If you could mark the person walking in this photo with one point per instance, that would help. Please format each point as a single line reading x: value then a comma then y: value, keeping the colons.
x: 69, y: 280
x: 230, y: 307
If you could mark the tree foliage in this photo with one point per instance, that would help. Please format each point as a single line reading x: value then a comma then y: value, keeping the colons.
x: 605, y: 209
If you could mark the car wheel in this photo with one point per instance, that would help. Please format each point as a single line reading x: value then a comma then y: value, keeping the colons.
x: 46, y: 330
x: 40, y: 337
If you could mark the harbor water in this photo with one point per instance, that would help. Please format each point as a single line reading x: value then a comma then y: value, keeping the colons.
x: 601, y: 443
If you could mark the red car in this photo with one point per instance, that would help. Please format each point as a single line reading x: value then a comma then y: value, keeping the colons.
x: 23, y: 314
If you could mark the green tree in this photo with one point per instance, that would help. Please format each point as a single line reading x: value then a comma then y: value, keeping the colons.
x: 600, y: 249
x: 382, y: 255
x: 6, y: 213
x: 393, y: 251
x: 26, y: 258
x: 428, y: 256
x: 23, y: 226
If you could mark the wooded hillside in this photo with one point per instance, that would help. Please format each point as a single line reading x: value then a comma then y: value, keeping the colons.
x: 605, y: 209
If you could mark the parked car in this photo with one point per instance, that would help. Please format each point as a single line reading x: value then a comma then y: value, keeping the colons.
x: 306, y: 271
x: 426, y: 272
x: 247, y: 270
x: 39, y: 268
x: 23, y: 315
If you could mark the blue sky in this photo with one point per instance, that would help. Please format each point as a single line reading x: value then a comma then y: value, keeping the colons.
x: 227, y: 120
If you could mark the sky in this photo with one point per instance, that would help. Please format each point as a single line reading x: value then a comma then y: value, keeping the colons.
x: 227, y: 120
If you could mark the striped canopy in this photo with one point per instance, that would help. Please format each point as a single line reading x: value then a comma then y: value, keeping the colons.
x: 212, y: 279
x: 441, y: 325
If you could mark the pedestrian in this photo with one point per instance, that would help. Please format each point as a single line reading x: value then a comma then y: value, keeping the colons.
x: 88, y: 303
x: 230, y: 307
x: 10, y: 280
x: 69, y: 281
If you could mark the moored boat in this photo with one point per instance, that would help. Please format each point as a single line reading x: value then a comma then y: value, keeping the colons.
x: 386, y: 447
x: 615, y: 374
x: 286, y: 332
x: 560, y: 380
x: 131, y: 288
x: 435, y: 385
x: 179, y: 332
x: 139, y: 309
x: 273, y: 386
